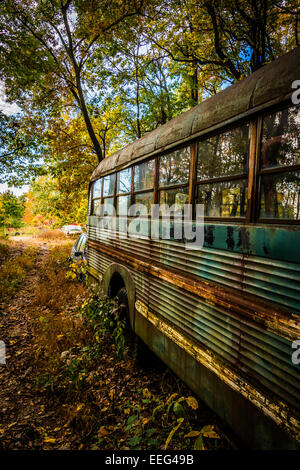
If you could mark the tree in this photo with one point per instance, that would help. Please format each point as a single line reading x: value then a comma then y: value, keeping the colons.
x: 11, y: 210
x: 47, y: 46
x: 221, y: 41
x: 21, y: 146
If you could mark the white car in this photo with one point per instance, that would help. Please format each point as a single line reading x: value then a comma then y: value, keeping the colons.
x: 71, y: 229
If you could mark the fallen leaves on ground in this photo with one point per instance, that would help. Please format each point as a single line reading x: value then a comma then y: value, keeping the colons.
x: 62, y: 386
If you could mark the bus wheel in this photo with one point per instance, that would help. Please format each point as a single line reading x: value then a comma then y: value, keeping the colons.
x: 122, y: 300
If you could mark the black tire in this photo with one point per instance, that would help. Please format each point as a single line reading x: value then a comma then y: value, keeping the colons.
x: 122, y: 300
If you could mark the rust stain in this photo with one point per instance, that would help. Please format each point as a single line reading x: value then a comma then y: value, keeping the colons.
x: 280, y: 322
x: 277, y: 411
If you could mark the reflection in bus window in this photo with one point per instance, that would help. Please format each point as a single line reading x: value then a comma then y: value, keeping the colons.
x: 108, y: 185
x: 144, y: 175
x: 281, y: 139
x: 146, y: 199
x: 224, y: 154
x: 225, y: 157
x: 123, y: 203
x: 108, y: 206
x: 280, y: 149
x: 223, y: 199
x: 124, y: 181
x: 174, y: 167
x: 178, y: 196
x: 97, y: 188
x: 280, y: 196
x: 97, y: 207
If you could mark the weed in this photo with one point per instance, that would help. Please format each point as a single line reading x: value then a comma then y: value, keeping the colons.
x: 102, y: 315
x: 51, y: 234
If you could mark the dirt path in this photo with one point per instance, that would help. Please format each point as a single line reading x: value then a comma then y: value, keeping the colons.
x: 18, y: 404
x: 22, y: 412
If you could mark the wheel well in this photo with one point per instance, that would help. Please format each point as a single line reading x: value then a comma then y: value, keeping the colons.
x: 116, y: 283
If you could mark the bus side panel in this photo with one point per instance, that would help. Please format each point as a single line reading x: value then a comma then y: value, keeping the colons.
x: 253, y: 428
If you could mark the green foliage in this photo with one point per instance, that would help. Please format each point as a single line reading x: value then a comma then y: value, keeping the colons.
x: 19, y: 147
x: 12, y: 210
x: 102, y: 315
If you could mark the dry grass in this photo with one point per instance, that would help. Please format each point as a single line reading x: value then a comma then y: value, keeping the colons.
x: 4, y: 249
x: 54, y: 290
x: 51, y: 234
x: 56, y: 325
x: 13, y: 271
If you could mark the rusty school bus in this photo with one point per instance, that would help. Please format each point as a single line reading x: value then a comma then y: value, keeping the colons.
x: 224, y: 318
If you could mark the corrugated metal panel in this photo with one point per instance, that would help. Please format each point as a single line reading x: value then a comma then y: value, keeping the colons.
x: 276, y: 281
x: 273, y: 280
x: 97, y: 261
x: 244, y: 345
x: 261, y: 356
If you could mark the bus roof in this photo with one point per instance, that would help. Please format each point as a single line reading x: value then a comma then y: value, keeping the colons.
x: 270, y: 85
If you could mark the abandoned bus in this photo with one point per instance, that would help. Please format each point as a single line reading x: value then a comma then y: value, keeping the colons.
x: 225, y: 316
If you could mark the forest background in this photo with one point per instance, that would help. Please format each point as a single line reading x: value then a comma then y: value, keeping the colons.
x: 80, y: 79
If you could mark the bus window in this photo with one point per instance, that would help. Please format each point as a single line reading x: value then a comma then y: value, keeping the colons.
x: 280, y: 144
x: 97, y: 189
x: 223, y: 199
x: 146, y: 199
x: 123, y: 191
x: 123, y: 203
x: 174, y: 167
x: 222, y: 173
x: 280, y: 166
x: 96, y: 197
x: 124, y: 181
x: 280, y: 196
x: 108, y: 185
x: 108, y: 206
x: 144, y: 175
x: 144, y: 183
x: 224, y: 154
x: 177, y: 196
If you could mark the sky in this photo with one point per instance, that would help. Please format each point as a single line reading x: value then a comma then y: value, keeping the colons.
x: 5, y: 107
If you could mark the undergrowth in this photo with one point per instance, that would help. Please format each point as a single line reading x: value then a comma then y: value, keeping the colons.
x: 13, y: 271
x: 85, y: 366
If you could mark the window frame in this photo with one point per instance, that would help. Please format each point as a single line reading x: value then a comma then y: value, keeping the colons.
x: 93, y: 199
x: 219, y: 179
x: 268, y: 171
